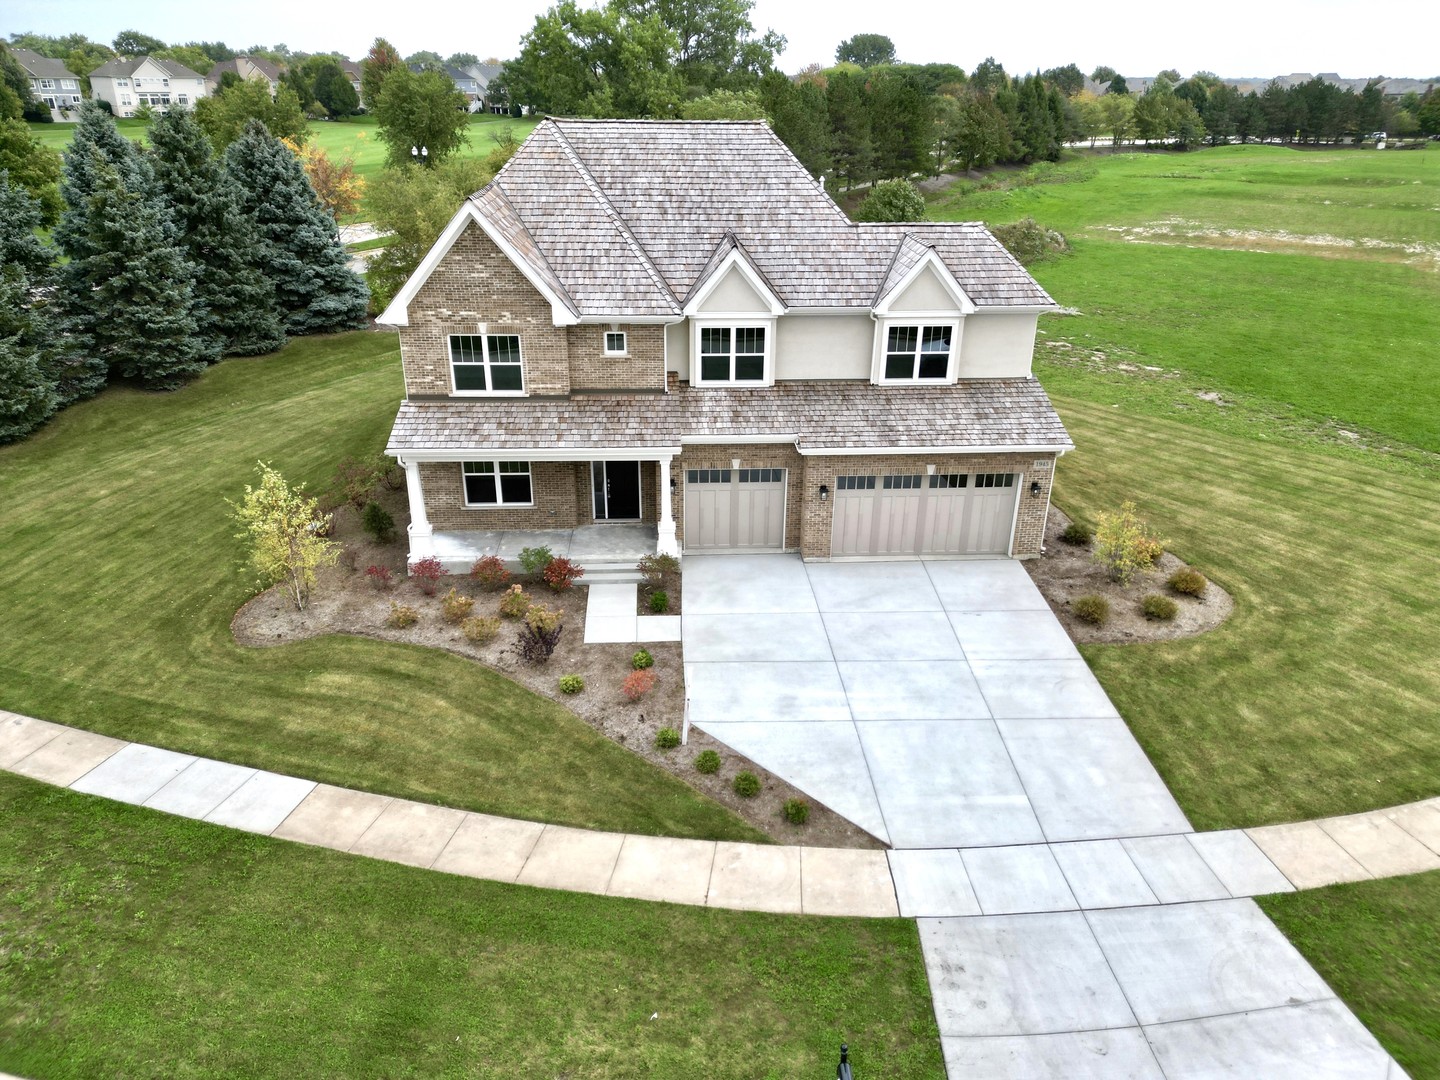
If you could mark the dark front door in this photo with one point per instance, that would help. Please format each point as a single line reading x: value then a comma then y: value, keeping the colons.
x: 616, y: 485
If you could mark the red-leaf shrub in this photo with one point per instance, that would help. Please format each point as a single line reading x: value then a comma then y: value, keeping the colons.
x: 638, y: 683
x: 490, y: 572
x: 379, y: 576
x: 560, y: 573
x: 427, y: 572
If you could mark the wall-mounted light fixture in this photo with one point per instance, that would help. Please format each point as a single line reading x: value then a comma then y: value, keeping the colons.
x: 824, y: 492
x: 674, y: 483
x: 1035, y: 488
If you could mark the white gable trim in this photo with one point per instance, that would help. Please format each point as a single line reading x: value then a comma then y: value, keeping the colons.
x: 735, y: 261
x: 963, y: 304
x: 398, y: 313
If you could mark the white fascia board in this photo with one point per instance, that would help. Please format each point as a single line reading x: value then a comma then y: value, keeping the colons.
x: 633, y: 320
x: 1016, y: 309
x: 746, y: 440
x: 963, y: 303
x: 736, y: 260
x: 397, y: 313
x: 540, y: 453
x: 917, y: 451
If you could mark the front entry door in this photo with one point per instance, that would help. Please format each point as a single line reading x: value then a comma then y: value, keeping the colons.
x: 616, y: 486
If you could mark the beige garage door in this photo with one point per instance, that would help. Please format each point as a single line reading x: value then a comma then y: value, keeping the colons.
x: 734, y: 509
x: 915, y: 514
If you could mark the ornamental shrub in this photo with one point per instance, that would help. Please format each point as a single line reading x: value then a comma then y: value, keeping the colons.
x: 571, y: 684
x: 1091, y: 608
x: 427, y: 573
x: 539, y: 634
x: 667, y: 738
x: 1187, y: 582
x: 659, y: 601
x: 379, y: 576
x: 747, y: 785
x: 1159, y: 607
x: 533, y: 560
x: 455, y: 608
x: 797, y: 811
x: 355, y: 478
x: 707, y: 762
x: 401, y: 616
x: 376, y: 521
x: 514, y: 602
x: 1077, y: 534
x: 560, y: 574
x: 490, y: 572
x: 642, y: 660
x: 480, y: 629
x: 637, y: 684
x: 656, y: 568
x: 1125, y: 544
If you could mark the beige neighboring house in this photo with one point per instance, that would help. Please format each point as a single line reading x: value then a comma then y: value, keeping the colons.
x: 146, y: 80
x: 247, y: 67
x: 352, y: 72
x: 50, y: 80
x: 671, y: 324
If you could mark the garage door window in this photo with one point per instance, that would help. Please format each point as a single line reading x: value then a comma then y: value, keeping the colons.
x: 950, y: 481
x: 994, y: 479
x: 761, y: 476
x: 855, y: 483
x: 707, y: 476
x: 906, y: 482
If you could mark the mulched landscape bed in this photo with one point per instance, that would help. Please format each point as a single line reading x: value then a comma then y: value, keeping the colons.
x: 346, y: 602
x: 1068, y: 571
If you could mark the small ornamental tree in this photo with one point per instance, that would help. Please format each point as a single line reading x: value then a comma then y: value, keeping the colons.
x: 892, y: 200
x: 317, y: 291
x: 283, y: 528
x: 1125, y: 544
x: 336, y: 184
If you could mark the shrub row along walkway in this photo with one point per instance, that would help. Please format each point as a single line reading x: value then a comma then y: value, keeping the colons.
x: 945, y: 882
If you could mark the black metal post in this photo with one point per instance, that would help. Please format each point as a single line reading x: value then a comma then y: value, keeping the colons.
x: 842, y: 1071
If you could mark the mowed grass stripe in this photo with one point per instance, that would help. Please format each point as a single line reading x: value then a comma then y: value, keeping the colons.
x: 125, y: 574
x: 1317, y: 697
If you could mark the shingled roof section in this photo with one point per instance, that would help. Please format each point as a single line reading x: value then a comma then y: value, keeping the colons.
x: 630, y: 214
x: 817, y: 415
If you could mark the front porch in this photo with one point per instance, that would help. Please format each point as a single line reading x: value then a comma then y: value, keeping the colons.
x: 589, y: 546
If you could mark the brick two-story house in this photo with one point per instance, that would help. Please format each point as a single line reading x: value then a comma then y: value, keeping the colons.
x: 671, y: 323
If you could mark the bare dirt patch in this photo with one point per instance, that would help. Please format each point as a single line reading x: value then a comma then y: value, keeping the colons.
x: 1185, y: 233
x: 1067, y: 571
x: 346, y: 602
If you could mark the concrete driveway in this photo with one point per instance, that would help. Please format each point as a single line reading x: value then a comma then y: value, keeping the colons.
x: 1070, y: 929
x: 935, y: 704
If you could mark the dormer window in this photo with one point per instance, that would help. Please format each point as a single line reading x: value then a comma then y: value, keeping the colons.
x: 733, y: 355
x: 486, y: 364
x: 615, y: 343
x: 918, y: 351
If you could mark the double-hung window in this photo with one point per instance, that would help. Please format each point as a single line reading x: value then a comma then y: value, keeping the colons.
x: 918, y: 352
x: 733, y: 354
x: 486, y: 364
x: 497, y: 483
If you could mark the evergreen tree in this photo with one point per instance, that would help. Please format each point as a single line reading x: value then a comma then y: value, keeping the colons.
x: 901, y: 123
x: 27, y: 383
x: 317, y: 291
x: 799, y: 118
x: 850, y: 123
x: 130, y: 303
x: 95, y: 130
x: 235, y: 303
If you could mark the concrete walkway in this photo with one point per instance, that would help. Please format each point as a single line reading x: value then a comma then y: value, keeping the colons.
x: 610, y: 616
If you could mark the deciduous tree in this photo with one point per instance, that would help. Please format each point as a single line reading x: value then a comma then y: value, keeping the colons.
x: 333, y: 88
x: 867, y: 50
x: 725, y: 105
x: 282, y: 528
x: 226, y: 115
x: 134, y: 43
x: 892, y: 200
x: 34, y: 167
x: 337, y: 185
x: 382, y: 59
x: 420, y: 110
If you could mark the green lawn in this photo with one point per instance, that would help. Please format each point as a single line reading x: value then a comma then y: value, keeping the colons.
x: 138, y: 944
x: 123, y: 573
x: 1377, y: 943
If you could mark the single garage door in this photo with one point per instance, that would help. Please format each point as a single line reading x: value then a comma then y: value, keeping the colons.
x: 916, y: 514
x: 734, y: 509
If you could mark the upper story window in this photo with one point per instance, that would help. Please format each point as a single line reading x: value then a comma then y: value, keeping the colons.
x: 486, y: 364
x: 615, y: 343
x: 918, y: 352
x: 47, y: 84
x: 733, y: 354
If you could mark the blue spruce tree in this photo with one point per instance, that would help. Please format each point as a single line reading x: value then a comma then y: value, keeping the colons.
x: 27, y: 383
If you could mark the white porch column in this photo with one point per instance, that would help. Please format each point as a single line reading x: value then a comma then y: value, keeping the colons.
x: 666, y: 542
x: 420, y: 530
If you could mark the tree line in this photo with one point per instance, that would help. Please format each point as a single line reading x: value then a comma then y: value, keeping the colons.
x: 163, y: 261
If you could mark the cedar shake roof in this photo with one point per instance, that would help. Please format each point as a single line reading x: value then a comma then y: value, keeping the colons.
x: 815, y: 415
x: 630, y: 216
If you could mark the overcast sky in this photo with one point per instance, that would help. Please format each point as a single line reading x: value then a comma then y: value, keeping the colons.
x: 1231, y: 37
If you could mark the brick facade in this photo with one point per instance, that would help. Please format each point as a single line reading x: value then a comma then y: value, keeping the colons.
x: 642, y: 368
x: 751, y: 456
x: 553, y: 484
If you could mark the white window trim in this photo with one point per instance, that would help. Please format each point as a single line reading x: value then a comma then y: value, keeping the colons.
x: 484, y: 337
x: 624, y: 343
x: 499, y: 503
x: 920, y: 319
x: 732, y: 322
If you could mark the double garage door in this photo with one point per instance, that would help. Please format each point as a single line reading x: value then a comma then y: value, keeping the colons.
x: 734, y: 509
x: 919, y: 514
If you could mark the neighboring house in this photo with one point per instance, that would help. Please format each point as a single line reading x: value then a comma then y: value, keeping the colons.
x: 50, y: 80
x: 464, y: 81
x: 146, y: 80
x: 671, y: 323
x: 247, y: 67
x: 484, y: 75
x: 352, y: 72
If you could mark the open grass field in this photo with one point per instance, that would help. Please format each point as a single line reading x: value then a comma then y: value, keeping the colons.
x: 123, y: 574
x: 138, y: 944
x: 354, y: 137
